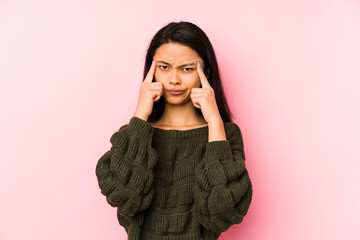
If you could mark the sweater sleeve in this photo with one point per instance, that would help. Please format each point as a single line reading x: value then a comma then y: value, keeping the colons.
x: 223, y: 191
x: 124, y: 172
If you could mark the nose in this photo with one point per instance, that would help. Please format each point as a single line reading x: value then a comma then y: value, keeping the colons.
x: 174, y: 78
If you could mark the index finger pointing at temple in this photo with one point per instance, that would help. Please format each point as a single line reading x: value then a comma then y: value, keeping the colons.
x: 203, y: 79
x: 150, y: 75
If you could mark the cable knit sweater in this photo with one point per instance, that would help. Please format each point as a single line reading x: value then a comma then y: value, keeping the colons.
x: 174, y: 184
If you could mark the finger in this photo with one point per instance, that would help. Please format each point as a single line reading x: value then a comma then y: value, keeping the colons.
x: 200, y: 90
x: 198, y: 96
x: 158, y: 90
x: 157, y: 95
x: 150, y: 75
x: 157, y: 98
x: 152, y: 86
x: 196, y: 90
x: 196, y: 104
x: 157, y: 86
x: 204, y: 82
x: 195, y: 101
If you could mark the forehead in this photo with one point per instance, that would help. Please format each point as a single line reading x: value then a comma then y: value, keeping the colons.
x: 175, y: 53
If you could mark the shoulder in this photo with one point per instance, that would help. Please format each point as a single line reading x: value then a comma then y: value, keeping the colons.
x: 234, y: 136
x: 232, y: 130
x: 136, y: 123
x: 135, y: 129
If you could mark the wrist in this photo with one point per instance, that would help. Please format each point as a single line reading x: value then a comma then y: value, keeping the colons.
x: 141, y: 116
x: 216, y: 122
x: 216, y: 131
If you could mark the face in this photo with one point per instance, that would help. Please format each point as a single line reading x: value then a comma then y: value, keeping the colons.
x: 176, y: 70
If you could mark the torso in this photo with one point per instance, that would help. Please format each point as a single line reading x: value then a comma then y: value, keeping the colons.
x: 179, y: 152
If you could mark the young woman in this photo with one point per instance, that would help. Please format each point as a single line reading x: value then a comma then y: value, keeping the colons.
x: 176, y: 171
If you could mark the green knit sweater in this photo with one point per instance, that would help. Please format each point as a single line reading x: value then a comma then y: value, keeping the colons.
x: 174, y: 184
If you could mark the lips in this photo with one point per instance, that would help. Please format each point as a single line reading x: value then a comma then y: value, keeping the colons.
x: 175, y: 91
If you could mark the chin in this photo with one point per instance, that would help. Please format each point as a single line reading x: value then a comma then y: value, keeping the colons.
x: 176, y: 100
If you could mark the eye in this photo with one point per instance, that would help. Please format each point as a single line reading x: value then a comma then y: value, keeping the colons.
x: 187, y: 69
x: 163, y: 67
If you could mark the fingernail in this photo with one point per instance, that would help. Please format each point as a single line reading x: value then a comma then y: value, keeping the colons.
x: 198, y: 63
x: 152, y: 62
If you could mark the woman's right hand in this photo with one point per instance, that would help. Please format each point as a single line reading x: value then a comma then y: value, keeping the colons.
x: 150, y: 92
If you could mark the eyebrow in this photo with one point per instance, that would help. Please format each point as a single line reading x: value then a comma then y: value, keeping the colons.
x: 182, y: 65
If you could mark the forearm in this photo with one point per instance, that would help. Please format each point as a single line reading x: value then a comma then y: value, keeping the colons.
x: 216, y: 131
x: 125, y: 172
x: 223, y: 191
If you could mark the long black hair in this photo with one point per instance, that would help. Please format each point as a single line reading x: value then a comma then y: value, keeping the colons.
x: 190, y: 35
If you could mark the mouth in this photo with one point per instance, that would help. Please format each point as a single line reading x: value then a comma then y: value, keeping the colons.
x: 175, y: 92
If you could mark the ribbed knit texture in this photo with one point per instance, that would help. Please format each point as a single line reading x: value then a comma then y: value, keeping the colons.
x: 174, y: 184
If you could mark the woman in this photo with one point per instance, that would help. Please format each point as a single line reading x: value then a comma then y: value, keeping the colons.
x: 177, y: 170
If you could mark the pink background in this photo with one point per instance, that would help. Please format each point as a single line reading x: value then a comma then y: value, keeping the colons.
x: 70, y: 73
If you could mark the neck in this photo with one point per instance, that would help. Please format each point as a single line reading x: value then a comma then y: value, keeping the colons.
x: 180, y: 116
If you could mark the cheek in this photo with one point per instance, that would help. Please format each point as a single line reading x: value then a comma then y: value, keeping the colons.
x: 159, y: 77
x: 193, y: 81
x: 198, y: 82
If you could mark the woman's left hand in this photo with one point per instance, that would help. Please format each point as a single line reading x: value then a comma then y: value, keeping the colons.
x: 204, y: 99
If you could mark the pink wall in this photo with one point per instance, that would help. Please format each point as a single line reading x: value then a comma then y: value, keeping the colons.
x: 69, y: 77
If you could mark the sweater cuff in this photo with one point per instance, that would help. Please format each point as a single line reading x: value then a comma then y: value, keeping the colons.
x: 139, y: 129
